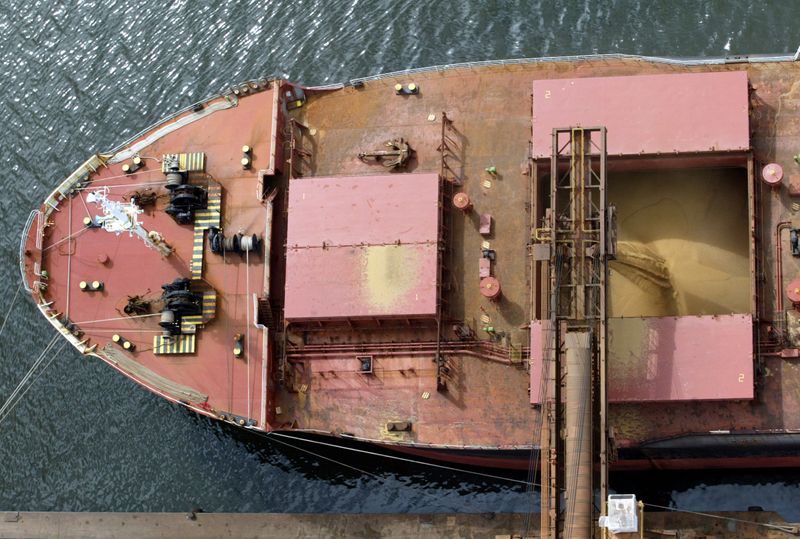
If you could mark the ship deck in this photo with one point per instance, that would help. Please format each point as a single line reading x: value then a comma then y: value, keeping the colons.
x: 305, y: 375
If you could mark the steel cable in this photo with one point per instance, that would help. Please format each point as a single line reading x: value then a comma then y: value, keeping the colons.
x: 401, y: 459
x: 16, y: 396
x: 11, y: 308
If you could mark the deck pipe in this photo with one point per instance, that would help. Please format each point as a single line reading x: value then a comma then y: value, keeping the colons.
x: 779, y: 265
x: 475, y: 348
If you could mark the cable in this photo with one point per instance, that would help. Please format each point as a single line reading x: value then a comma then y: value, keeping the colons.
x: 65, y: 238
x: 548, y: 363
x: 114, y: 186
x: 317, y: 455
x: 8, y: 314
x: 28, y: 374
x: 403, y: 459
x: 117, y: 318
x: 19, y: 399
x: 88, y: 213
x: 69, y: 260
x: 16, y: 396
x: 793, y: 530
x: 247, y: 330
x: 375, y: 476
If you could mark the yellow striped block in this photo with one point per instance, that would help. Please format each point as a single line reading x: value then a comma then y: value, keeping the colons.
x: 206, y: 219
x: 187, y: 162
x: 197, y: 253
x: 189, y: 324
x: 209, y: 305
x: 176, y: 344
x: 214, y: 196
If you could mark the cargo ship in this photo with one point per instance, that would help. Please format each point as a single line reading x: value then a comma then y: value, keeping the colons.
x: 564, y: 264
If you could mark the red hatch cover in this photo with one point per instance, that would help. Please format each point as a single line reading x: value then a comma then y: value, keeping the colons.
x: 362, y: 247
x: 647, y: 114
x: 670, y: 359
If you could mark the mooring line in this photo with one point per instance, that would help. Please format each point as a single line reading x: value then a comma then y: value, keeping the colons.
x: 16, y: 396
x: 11, y: 308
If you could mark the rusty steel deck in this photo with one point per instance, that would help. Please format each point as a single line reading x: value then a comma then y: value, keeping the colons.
x: 471, y: 126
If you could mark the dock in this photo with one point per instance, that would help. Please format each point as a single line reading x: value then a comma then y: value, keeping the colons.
x: 46, y: 525
x: 66, y: 525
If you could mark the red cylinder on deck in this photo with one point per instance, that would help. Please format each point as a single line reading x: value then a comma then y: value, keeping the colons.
x: 462, y: 202
x: 102, y: 258
x: 772, y: 174
x: 793, y: 292
x: 490, y: 288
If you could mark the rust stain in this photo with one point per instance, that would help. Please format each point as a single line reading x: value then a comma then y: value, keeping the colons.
x: 389, y: 274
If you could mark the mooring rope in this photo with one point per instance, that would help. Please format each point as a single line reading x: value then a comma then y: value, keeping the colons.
x: 23, y: 387
x: 786, y: 528
x: 84, y: 322
x: 247, y: 330
x: 28, y: 374
x: 323, y: 457
x: 11, y: 308
x: 402, y: 459
x: 344, y: 464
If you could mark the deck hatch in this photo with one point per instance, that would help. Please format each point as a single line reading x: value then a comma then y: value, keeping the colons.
x: 663, y: 359
x: 367, y: 244
x: 648, y: 114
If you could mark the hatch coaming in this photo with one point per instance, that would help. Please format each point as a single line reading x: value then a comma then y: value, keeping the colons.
x: 684, y: 227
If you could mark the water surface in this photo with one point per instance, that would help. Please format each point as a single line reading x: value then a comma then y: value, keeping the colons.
x: 81, y: 76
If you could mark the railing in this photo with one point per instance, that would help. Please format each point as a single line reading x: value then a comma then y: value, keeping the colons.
x: 584, y: 57
x: 474, y: 348
x: 443, y: 67
x: 22, y: 241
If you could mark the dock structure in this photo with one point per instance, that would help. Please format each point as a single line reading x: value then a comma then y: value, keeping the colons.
x: 45, y: 525
x: 52, y: 525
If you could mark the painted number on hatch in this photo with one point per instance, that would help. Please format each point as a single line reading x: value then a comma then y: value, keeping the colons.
x: 741, y: 377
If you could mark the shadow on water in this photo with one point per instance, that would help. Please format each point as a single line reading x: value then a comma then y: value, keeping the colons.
x: 315, y: 459
x: 477, y: 489
x: 775, y: 489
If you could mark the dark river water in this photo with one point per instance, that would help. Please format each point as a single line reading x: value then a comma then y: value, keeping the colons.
x: 81, y: 76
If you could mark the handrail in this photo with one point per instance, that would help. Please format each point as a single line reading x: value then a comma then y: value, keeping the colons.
x: 22, y: 241
x: 229, y: 94
x: 585, y: 57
